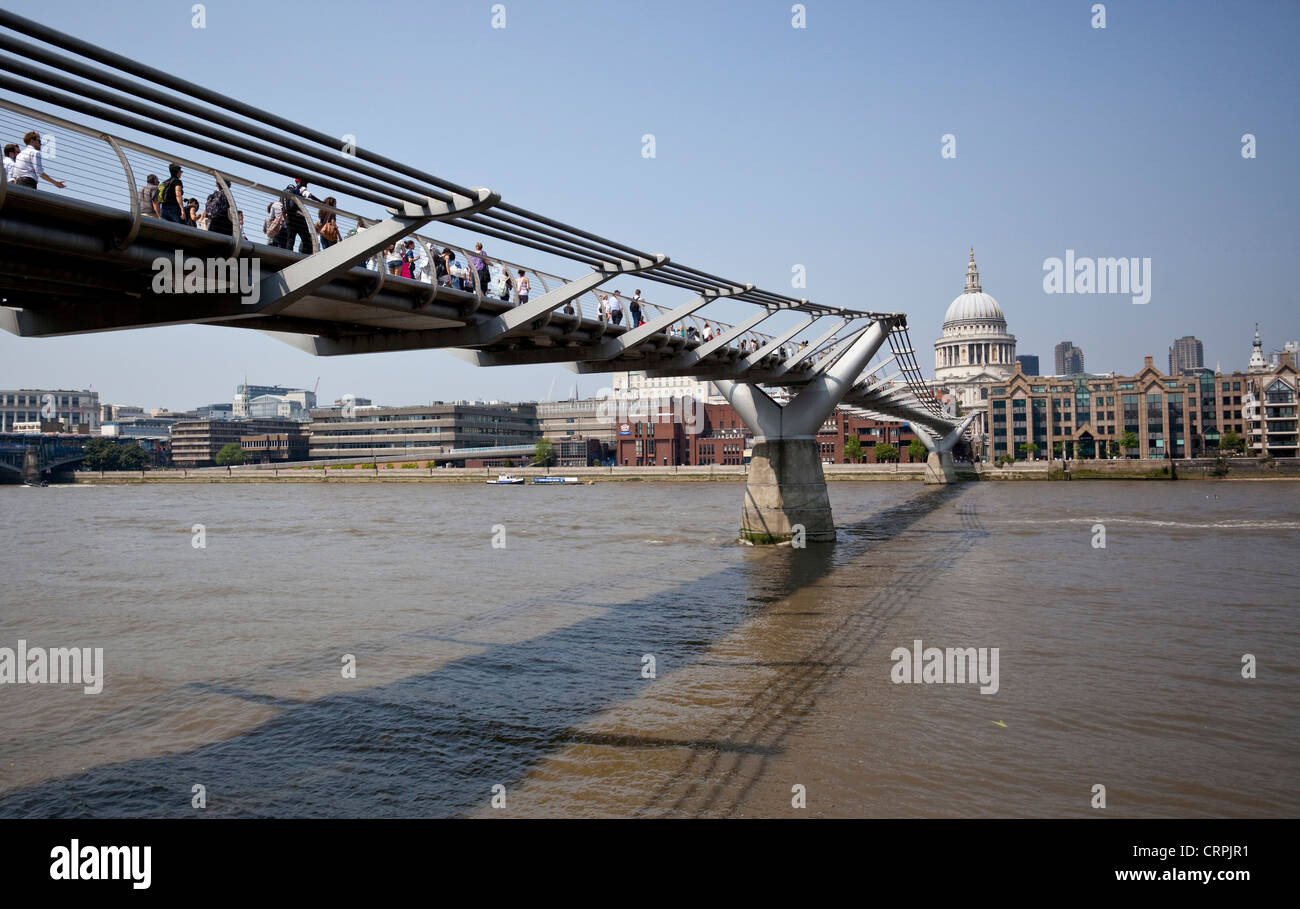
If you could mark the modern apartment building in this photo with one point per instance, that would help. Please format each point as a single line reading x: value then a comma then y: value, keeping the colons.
x: 1269, y: 410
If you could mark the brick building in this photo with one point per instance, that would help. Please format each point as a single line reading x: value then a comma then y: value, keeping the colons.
x: 722, y: 438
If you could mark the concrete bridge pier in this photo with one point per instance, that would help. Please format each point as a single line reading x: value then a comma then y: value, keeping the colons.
x: 786, y: 489
x: 32, y: 461
x: 939, y: 467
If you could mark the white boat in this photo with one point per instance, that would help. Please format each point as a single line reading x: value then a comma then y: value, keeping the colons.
x: 546, y: 481
x: 506, y: 479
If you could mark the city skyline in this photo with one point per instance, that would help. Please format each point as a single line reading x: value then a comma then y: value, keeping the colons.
x: 1140, y: 165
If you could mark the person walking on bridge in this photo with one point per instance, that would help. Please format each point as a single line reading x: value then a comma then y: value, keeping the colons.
x: 635, y: 308
x: 295, y: 225
x: 524, y: 286
x: 171, y: 196
x: 615, y: 309
x: 28, y: 167
x: 479, y: 263
x: 11, y: 156
x: 149, y: 197
x: 328, y: 225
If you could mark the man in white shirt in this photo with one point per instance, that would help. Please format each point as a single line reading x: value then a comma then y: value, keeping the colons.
x: 11, y: 157
x: 28, y: 168
x: 615, y: 309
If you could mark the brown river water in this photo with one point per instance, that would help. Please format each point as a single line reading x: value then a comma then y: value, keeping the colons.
x: 517, y: 674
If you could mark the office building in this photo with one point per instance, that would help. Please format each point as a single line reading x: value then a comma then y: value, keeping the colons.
x: 195, y: 443
x: 422, y: 430
x: 1186, y: 355
x: 1083, y: 417
x: 1028, y: 363
x: 76, y: 411
x: 1069, y: 359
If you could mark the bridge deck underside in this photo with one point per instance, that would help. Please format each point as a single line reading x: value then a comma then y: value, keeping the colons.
x: 60, y: 265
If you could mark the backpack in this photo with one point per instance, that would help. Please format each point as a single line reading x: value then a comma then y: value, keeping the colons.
x: 290, y: 206
x: 167, y: 193
x: 217, y: 206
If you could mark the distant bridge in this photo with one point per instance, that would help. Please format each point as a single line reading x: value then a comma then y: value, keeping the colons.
x: 87, y: 259
x: 30, y: 458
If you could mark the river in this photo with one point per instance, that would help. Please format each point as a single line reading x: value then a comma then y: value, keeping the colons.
x: 616, y: 653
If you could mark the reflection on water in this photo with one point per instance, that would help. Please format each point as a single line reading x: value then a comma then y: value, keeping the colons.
x: 523, y: 666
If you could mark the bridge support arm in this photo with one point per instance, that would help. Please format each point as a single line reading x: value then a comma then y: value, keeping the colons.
x: 810, y: 408
x: 939, y: 467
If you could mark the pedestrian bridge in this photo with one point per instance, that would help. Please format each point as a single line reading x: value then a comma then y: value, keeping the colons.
x: 91, y: 258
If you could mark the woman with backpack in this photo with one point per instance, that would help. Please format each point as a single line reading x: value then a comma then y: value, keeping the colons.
x: 504, y: 285
x: 635, y: 306
x: 171, y: 196
x: 328, y: 226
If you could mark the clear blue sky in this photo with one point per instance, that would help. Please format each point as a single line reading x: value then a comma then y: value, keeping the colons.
x: 775, y: 146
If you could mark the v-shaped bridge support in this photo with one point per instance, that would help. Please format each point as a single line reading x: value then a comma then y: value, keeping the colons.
x: 939, y: 466
x: 785, y: 496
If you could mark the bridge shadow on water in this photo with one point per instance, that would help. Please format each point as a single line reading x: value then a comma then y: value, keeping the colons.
x: 434, y: 744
